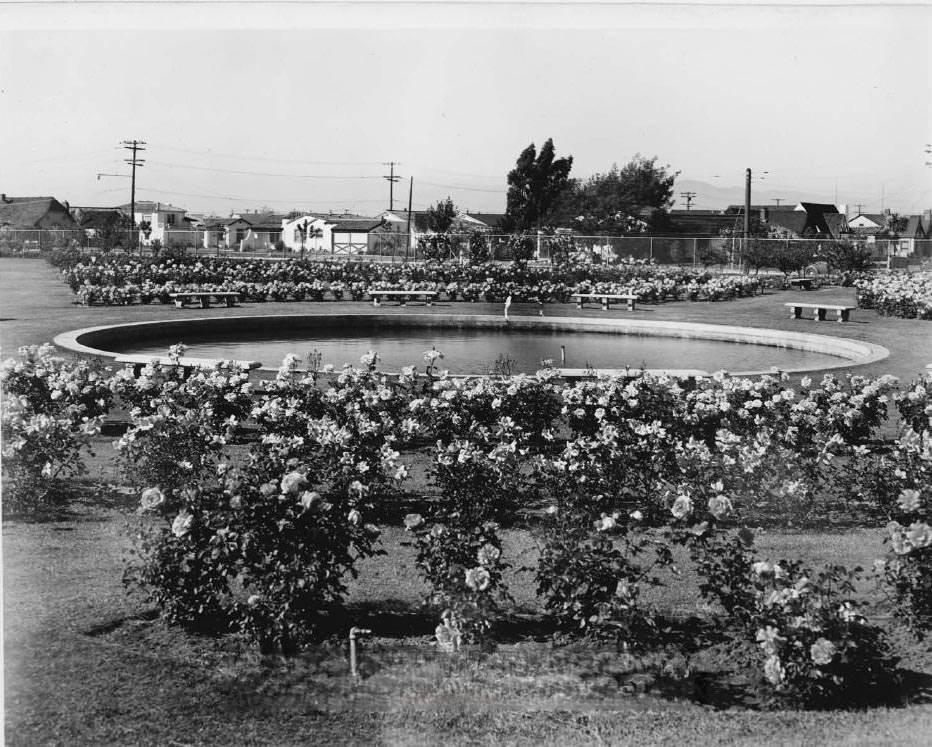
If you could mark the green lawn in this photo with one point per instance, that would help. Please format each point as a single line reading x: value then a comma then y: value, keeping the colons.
x: 87, y: 663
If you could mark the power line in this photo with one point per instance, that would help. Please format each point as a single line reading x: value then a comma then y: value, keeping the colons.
x: 241, y: 157
x: 469, y: 189
x: 256, y: 173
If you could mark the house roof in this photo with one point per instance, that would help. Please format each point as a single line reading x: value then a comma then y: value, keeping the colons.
x: 26, y: 212
x: 818, y: 207
x: 874, y: 217
x: 356, y: 226
x: 90, y: 217
x: 148, y: 206
x: 261, y: 221
x: 914, y: 229
x: 836, y: 223
x: 739, y: 209
x: 702, y: 222
x: 492, y: 220
x: 790, y: 219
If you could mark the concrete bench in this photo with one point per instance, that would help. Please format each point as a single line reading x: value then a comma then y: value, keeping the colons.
x: 138, y: 362
x: 379, y: 295
x: 804, y: 283
x: 182, y: 298
x: 605, y: 298
x: 819, y: 310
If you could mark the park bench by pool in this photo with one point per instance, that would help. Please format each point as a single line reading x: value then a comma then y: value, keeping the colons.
x: 138, y: 362
x: 182, y: 298
x: 606, y: 298
x: 819, y: 310
x: 383, y: 295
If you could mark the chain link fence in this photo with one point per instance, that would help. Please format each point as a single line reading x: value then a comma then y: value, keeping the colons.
x: 395, y: 247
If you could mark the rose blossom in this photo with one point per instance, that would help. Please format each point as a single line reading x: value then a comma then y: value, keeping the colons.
x: 478, y: 579
x: 152, y: 498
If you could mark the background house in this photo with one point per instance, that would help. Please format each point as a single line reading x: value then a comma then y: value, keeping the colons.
x: 355, y: 236
x: 34, y: 213
x: 253, y: 231
x: 162, y: 219
x: 867, y: 223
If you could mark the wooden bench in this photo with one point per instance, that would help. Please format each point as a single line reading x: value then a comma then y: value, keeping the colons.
x: 183, y: 297
x: 138, y: 362
x: 819, y: 310
x: 379, y: 295
x: 605, y: 298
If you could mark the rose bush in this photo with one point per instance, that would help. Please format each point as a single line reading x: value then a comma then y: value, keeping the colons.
x: 51, y: 408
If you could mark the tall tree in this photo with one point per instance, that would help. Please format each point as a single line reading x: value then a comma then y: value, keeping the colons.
x: 534, y: 186
x: 441, y: 216
x: 633, y: 199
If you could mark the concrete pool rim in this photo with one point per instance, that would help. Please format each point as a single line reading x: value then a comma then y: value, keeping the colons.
x: 94, y: 340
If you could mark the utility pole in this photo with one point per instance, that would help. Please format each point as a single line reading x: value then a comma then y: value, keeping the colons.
x: 860, y: 205
x: 747, y: 206
x: 135, y: 146
x: 777, y: 200
x: 408, y: 229
x: 689, y: 198
x: 391, y: 183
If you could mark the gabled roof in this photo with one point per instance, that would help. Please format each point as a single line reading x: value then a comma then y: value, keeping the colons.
x: 492, y: 220
x: 356, y: 226
x: 818, y: 207
x: 914, y: 229
x: 877, y: 218
x: 260, y: 221
x: 837, y: 224
x: 26, y: 212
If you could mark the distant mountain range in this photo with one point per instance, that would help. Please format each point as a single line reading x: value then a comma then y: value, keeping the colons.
x: 713, y: 197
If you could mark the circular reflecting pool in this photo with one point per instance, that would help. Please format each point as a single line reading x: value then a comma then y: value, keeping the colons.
x: 470, y: 348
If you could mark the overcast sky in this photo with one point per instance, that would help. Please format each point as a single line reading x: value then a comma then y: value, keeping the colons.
x: 288, y: 107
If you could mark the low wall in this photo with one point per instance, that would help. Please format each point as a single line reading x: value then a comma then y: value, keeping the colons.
x: 105, y: 341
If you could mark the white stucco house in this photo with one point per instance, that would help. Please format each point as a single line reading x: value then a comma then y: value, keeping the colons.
x: 158, y: 220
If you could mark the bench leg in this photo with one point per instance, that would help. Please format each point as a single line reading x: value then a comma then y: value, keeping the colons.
x: 579, y: 304
x: 843, y: 315
x: 604, y: 304
x: 630, y: 304
x: 819, y: 315
x: 796, y: 312
x: 230, y: 301
x: 205, y: 302
x: 375, y: 301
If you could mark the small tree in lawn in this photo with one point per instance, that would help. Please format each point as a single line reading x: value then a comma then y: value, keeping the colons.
x: 848, y: 256
x: 791, y: 256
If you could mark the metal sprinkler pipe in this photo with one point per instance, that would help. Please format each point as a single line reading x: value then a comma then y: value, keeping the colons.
x: 352, y: 647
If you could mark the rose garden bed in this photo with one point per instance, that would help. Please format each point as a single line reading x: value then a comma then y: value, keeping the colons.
x: 659, y: 660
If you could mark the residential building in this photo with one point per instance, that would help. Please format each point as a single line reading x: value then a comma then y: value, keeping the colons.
x: 868, y: 223
x: 156, y: 220
x: 253, y: 231
x: 34, y: 213
x: 356, y: 236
